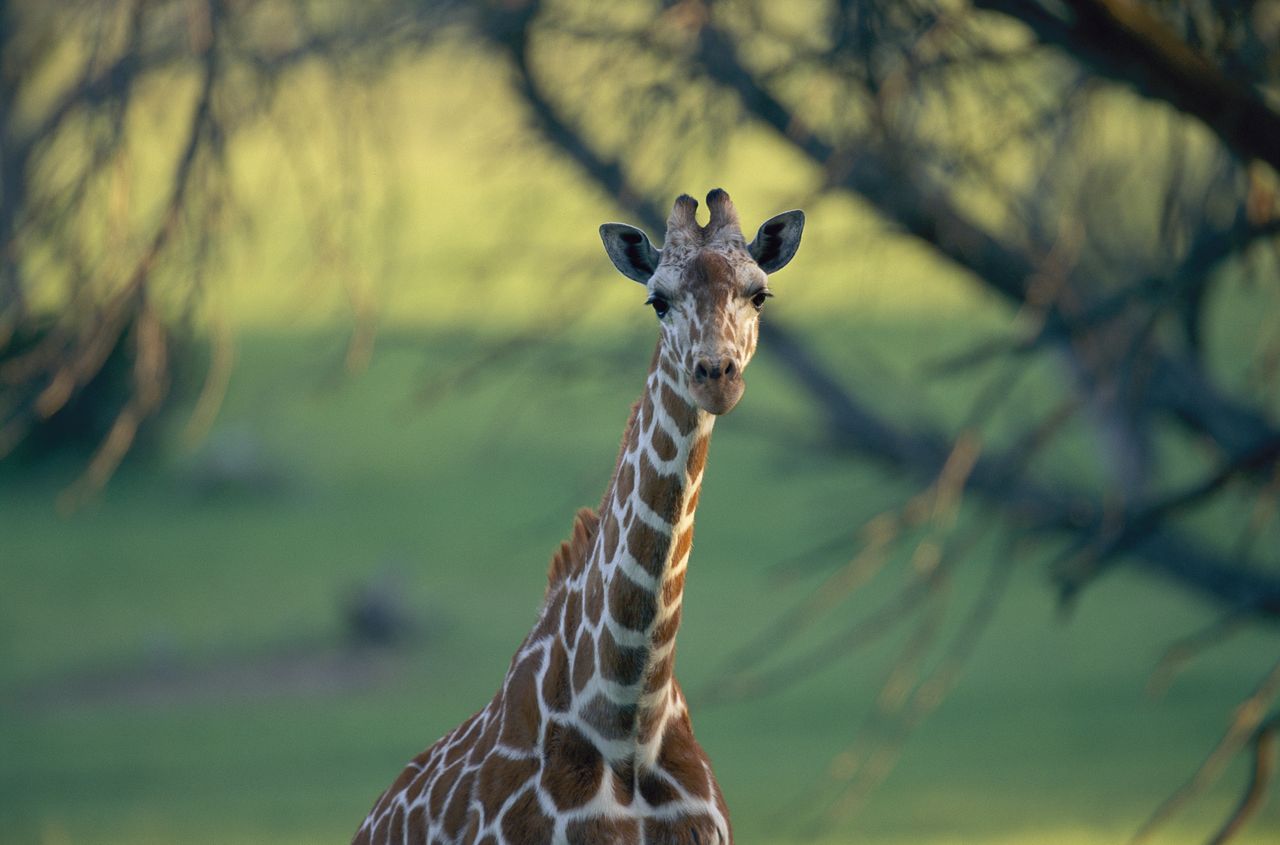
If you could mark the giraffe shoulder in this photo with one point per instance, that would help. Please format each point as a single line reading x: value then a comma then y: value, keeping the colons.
x: 572, y: 554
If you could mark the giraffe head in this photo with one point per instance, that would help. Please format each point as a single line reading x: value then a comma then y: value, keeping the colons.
x: 707, y: 286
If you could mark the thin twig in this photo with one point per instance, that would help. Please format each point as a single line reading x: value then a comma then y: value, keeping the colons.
x: 931, y: 690
x: 1255, y: 791
x: 1248, y: 717
x: 1183, y: 651
x: 151, y: 365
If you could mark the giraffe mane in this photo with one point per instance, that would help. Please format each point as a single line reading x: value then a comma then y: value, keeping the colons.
x: 572, y: 555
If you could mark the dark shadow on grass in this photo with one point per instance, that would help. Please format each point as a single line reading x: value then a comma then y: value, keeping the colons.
x: 380, y: 643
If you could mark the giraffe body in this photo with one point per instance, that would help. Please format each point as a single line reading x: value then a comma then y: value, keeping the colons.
x: 589, y: 738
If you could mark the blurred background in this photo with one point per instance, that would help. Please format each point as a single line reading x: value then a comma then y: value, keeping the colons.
x: 309, y: 351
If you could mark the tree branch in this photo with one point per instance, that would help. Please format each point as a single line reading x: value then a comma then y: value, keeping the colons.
x: 917, y: 450
x: 1125, y: 42
x: 883, y: 177
x: 920, y: 452
x: 1255, y: 792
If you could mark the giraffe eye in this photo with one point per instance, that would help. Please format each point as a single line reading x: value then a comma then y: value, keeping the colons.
x: 758, y: 299
x: 659, y: 303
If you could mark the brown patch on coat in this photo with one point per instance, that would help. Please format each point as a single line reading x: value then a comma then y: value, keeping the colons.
x: 631, y: 606
x: 485, y: 742
x: 584, y: 661
x: 440, y: 789
x: 698, y: 456
x: 680, y: 412
x: 682, y: 758
x: 594, y: 598
x: 667, y: 630
x: 673, y: 587
x: 382, y: 829
x: 660, y: 673
x: 655, y: 789
x: 610, y: 537
x: 648, y: 547
x: 475, y: 821
x: 663, y: 446
x: 460, y: 746
x: 418, y: 824
x: 395, y: 830
x: 596, y: 830
x: 682, y: 545
x: 620, y: 664
x: 611, y: 721
x: 572, y: 615
x: 416, y: 786
x: 662, y: 493
x: 524, y: 821
x: 684, y: 830
x: 572, y: 766
x: 500, y: 777
x: 624, y: 781
x: 555, y: 682
x: 520, y: 715
x: 455, y: 816
x: 650, y: 720
x: 626, y: 481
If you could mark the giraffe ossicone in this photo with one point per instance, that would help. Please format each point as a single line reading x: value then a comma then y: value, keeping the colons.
x: 589, y: 738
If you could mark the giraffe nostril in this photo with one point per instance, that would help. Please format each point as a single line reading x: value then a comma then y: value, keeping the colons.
x: 708, y: 369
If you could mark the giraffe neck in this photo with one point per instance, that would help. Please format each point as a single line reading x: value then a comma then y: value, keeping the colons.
x: 589, y: 738
x: 633, y: 582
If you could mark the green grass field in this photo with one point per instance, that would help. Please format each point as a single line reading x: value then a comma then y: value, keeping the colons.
x: 173, y: 667
x: 173, y: 659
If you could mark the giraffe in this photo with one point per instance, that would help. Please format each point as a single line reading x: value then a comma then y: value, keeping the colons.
x: 589, y: 738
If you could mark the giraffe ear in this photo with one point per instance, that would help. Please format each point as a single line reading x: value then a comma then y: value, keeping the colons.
x: 777, y: 240
x: 630, y: 251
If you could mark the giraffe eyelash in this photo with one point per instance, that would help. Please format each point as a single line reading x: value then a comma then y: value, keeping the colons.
x: 661, y: 304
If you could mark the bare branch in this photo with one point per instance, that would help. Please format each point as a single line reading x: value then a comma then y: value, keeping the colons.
x: 1187, y: 648
x: 1126, y: 42
x: 1255, y: 792
x: 509, y: 29
x: 883, y: 176
x: 1242, y: 730
x: 919, y: 451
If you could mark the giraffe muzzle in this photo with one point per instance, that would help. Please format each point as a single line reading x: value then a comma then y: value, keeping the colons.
x: 716, y: 384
